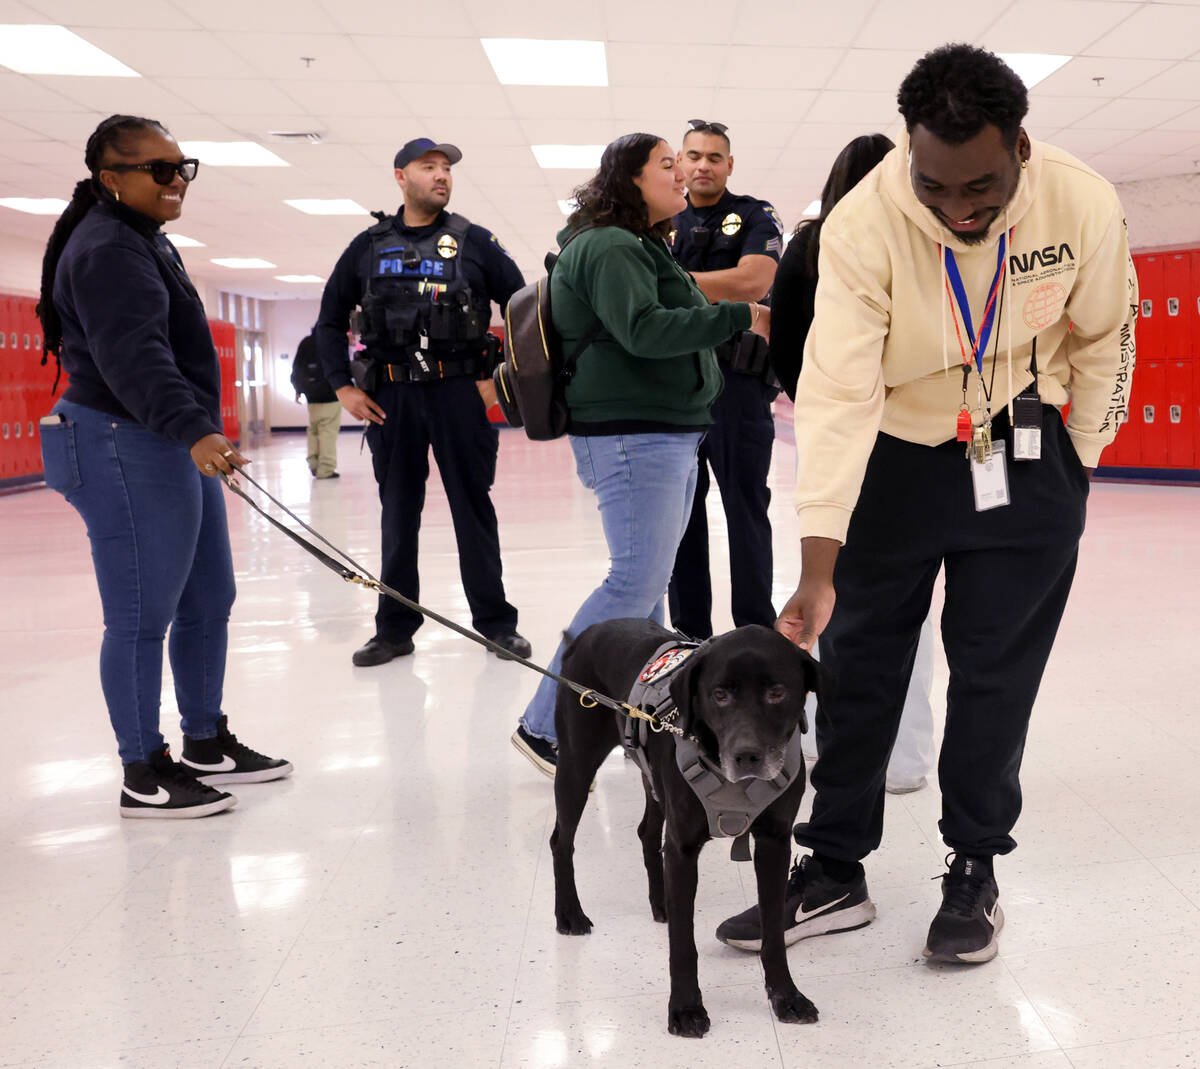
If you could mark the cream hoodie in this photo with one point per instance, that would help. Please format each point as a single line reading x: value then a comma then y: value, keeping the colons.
x: 883, y: 354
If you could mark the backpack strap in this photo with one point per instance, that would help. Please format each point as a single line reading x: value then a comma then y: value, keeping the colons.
x: 597, y: 328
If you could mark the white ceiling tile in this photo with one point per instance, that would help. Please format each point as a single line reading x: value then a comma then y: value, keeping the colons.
x: 1085, y: 143
x: 1051, y: 113
x: 1060, y: 27
x: 1165, y: 167
x: 662, y: 109
x: 699, y: 22
x: 1180, y: 82
x: 1163, y: 142
x: 558, y: 102
x: 870, y: 109
x: 1155, y: 31
x: 1130, y: 114
x: 1189, y: 120
x: 788, y: 105
x: 640, y: 63
x: 237, y: 96
x: 901, y: 24
x: 315, y: 57
x: 749, y: 139
x: 770, y: 22
x: 401, y: 59
x: 126, y: 96
x: 816, y: 135
x: 548, y: 19
x: 1116, y: 75
x: 84, y: 14
x: 453, y: 100
x: 173, y: 53
x: 348, y: 98
x: 296, y: 16
x: 446, y: 18
x: 873, y: 69
x: 31, y: 93
x: 762, y: 67
x: 573, y: 132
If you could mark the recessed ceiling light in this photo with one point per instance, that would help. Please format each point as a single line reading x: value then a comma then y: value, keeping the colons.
x: 568, y: 157
x: 328, y: 207
x: 180, y: 241
x: 299, y: 278
x: 1033, y: 67
x: 35, y: 205
x: 814, y: 208
x: 524, y: 61
x: 232, y: 154
x: 241, y: 261
x: 56, y: 50
x: 567, y: 206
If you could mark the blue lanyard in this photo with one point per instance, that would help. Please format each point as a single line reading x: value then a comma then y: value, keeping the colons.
x: 978, y: 347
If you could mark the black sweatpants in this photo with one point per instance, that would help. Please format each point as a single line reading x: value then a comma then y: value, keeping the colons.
x: 448, y: 415
x: 1008, y: 573
x: 738, y: 449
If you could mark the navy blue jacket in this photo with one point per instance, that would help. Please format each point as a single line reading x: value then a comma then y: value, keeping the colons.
x: 136, y: 342
x: 487, y: 265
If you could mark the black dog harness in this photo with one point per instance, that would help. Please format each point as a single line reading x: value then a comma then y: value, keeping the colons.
x: 730, y: 807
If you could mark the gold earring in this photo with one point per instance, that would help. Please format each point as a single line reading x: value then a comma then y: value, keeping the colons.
x: 1024, y: 164
x: 117, y: 192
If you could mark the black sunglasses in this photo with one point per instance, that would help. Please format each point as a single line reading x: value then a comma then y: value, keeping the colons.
x: 704, y: 126
x: 162, y: 171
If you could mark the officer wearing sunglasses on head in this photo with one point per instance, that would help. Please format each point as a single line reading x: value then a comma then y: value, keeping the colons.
x: 731, y: 246
x: 423, y: 282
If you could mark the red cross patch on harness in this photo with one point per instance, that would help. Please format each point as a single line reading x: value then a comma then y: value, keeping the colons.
x: 665, y: 664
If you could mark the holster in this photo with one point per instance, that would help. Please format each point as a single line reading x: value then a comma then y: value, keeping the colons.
x: 748, y: 354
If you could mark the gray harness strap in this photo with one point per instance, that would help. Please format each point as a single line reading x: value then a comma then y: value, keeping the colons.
x: 730, y: 807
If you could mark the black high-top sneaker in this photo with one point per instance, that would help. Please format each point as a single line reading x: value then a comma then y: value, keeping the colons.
x: 816, y: 904
x: 159, y: 788
x: 966, y: 927
x: 225, y: 760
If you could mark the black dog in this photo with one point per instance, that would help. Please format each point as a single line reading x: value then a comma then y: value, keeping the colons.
x: 741, y: 697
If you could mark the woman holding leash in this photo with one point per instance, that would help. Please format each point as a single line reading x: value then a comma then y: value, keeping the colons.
x: 639, y: 400
x: 135, y: 446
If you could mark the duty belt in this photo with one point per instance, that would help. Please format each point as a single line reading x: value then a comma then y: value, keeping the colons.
x: 731, y: 807
x: 410, y: 370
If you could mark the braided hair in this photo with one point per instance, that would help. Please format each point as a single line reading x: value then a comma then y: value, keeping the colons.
x: 106, y: 138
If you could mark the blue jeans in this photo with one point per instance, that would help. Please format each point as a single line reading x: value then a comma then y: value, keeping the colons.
x: 644, y: 485
x: 160, y: 545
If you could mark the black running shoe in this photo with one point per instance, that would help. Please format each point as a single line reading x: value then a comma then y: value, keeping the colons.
x: 542, y: 753
x: 160, y: 789
x: 225, y: 760
x: 966, y: 927
x: 815, y: 905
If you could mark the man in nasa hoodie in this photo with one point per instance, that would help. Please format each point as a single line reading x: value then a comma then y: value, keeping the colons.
x: 970, y: 287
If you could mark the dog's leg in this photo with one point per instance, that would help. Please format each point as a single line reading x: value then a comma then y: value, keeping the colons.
x: 772, y: 849
x: 686, y: 1015
x: 650, y: 832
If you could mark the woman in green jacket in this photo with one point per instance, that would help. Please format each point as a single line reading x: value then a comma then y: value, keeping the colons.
x: 639, y: 400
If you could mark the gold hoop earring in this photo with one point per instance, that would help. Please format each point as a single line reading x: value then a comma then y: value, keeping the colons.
x: 117, y: 192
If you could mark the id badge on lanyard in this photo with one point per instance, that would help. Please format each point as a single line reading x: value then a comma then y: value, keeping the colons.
x: 986, y: 458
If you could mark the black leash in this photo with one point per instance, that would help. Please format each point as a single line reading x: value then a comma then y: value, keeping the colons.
x: 358, y: 574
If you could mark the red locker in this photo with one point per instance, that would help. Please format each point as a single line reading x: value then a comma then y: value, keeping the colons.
x: 1177, y: 304
x: 8, y: 379
x: 1150, y: 331
x: 1193, y: 305
x: 1181, y: 415
x: 1151, y: 410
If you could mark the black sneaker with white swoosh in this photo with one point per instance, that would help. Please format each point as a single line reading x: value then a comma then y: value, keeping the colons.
x: 815, y: 905
x: 966, y: 928
x: 160, y: 789
x: 222, y: 759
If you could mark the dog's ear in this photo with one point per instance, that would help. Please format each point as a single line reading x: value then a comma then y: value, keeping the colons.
x: 816, y: 681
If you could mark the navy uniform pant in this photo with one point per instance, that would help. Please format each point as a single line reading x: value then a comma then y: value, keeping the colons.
x: 449, y: 416
x: 738, y: 449
x: 1008, y: 573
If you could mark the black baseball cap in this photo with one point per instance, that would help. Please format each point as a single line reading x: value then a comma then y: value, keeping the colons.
x: 418, y: 146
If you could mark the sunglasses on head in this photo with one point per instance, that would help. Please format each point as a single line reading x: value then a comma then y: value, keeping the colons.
x: 703, y: 126
x: 162, y: 171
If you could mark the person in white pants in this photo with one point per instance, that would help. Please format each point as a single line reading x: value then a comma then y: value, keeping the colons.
x: 914, y: 752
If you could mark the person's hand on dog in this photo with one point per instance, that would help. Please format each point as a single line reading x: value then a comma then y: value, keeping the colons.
x: 808, y: 610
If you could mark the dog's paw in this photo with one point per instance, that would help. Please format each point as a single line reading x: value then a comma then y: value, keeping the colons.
x: 793, y: 1008
x: 689, y: 1021
x: 573, y: 922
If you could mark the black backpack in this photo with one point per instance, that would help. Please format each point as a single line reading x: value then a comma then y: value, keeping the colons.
x: 531, y: 381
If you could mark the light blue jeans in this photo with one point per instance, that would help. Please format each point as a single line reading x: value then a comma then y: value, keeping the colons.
x: 644, y: 485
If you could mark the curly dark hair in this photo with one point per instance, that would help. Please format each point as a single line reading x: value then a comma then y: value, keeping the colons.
x: 956, y: 90
x: 609, y: 197
x: 107, y: 138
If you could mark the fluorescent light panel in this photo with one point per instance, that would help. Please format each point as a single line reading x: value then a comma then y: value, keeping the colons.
x: 525, y: 61
x: 180, y: 241
x: 40, y: 49
x: 568, y: 157
x: 327, y: 207
x: 299, y: 278
x: 567, y: 206
x: 814, y: 208
x: 241, y: 262
x: 1034, y: 67
x: 35, y: 205
x: 232, y: 154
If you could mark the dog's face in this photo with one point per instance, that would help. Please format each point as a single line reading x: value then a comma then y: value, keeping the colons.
x: 743, y: 696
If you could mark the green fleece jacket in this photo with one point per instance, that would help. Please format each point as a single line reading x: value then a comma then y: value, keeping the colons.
x: 654, y: 362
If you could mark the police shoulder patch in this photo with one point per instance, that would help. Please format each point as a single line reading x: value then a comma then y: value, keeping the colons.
x: 496, y: 242
x: 773, y: 215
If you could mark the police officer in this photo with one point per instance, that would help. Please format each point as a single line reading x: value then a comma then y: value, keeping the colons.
x: 423, y: 281
x: 730, y: 245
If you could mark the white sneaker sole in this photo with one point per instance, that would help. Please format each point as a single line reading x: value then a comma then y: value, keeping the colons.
x: 542, y: 765
x: 838, y: 920
x: 263, y: 775
x: 185, y: 813
x: 972, y: 957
